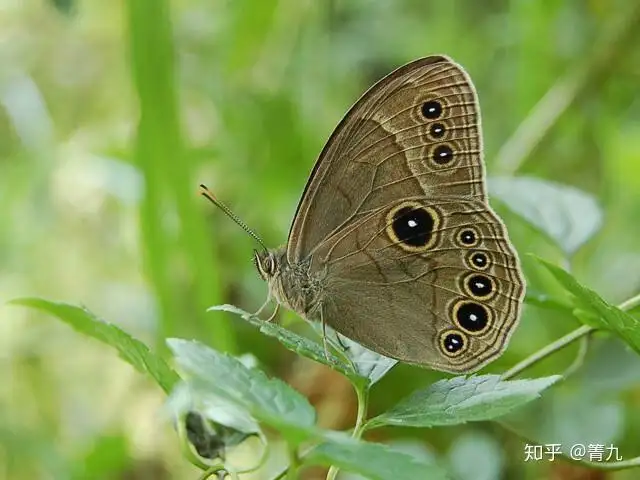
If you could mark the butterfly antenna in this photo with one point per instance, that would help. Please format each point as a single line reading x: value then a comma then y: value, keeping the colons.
x: 206, y: 193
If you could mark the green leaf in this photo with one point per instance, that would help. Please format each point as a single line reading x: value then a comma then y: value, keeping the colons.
x: 294, y: 342
x: 216, y: 375
x: 463, y: 399
x: 366, y: 363
x: 363, y: 368
x: 565, y: 214
x: 374, y: 461
x: 595, y: 311
x: 212, y: 439
x: 131, y: 350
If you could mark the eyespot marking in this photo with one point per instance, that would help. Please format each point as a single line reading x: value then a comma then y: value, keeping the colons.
x: 478, y: 261
x: 453, y: 343
x: 468, y: 237
x: 472, y: 317
x: 479, y: 287
x: 437, y: 130
x: 442, y: 154
x: 411, y: 226
x: 432, y: 109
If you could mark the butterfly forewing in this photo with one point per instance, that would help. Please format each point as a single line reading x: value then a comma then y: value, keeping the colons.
x: 416, y: 131
x: 395, y: 232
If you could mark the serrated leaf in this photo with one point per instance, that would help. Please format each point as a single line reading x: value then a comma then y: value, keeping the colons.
x: 131, y: 350
x: 364, y: 366
x: 374, y: 461
x: 596, y: 311
x: 291, y: 340
x: 565, y: 214
x: 210, y: 373
x: 463, y: 399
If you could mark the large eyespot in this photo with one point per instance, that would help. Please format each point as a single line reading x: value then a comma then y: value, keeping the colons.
x: 432, y: 109
x: 468, y: 237
x: 453, y: 343
x: 442, y: 154
x: 480, y: 287
x: 478, y: 260
x: 471, y: 317
x: 437, y: 130
x: 411, y: 226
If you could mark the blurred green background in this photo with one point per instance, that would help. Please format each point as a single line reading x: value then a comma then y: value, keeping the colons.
x: 111, y: 114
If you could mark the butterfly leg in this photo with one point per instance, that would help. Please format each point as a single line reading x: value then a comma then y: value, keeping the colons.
x: 273, y: 315
x: 325, y: 343
x: 264, y: 305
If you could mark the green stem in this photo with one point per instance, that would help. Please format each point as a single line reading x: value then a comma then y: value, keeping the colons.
x: 562, y: 342
x: 294, y: 463
x: 363, y: 405
x: 544, y: 352
x: 580, y: 357
x: 362, y: 394
x: 630, y: 303
x: 212, y: 471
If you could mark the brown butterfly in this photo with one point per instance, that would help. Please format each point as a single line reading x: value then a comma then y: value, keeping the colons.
x: 394, y: 244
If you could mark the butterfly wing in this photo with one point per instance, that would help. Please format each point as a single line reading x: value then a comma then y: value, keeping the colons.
x: 393, y: 217
x: 428, y: 281
x: 415, y: 132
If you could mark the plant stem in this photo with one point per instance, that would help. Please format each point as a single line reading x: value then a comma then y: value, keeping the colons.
x: 362, y: 394
x: 630, y: 303
x: 562, y: 342
x: 363, y: 405
x: 294, y: 463
x: 548, y: 350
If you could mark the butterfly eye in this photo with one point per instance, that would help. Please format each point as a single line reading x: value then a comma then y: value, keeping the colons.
x: 453, y: 343
x: 471, y: 317
x: 432, y: 109
x: 269, y: 265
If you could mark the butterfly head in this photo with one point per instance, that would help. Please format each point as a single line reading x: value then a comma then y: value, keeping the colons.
x: 266, y: 263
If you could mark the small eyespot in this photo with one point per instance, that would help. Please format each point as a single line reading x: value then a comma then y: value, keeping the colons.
x: 471, y: 317
x: 479, y: 286
x: 478, y: 261
x: 468, y: 237
x: 442, y: 154
x: 453, y: 343
x: 437, y: 130
x: 432, y: 109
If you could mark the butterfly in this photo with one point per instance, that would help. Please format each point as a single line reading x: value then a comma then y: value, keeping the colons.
x: 394, y: 244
